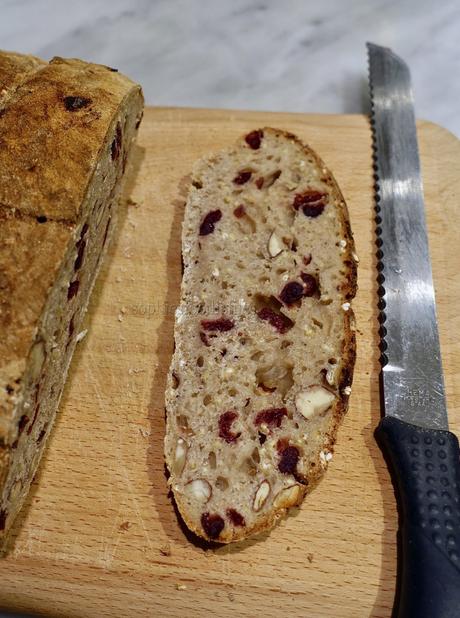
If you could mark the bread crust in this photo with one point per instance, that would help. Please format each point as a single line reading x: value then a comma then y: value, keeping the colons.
x: 344, y: 371
x: 55, y: 119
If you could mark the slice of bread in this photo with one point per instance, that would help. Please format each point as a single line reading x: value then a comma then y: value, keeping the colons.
x: 264, y: 335
x: 66, y: 130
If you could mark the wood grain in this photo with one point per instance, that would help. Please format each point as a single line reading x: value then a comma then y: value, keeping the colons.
x: 99, y: 535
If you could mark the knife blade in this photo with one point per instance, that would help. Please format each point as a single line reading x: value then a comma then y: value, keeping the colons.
x: 423, y: 455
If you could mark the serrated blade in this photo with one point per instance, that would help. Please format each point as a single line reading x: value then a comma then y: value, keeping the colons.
x: 413, y: 385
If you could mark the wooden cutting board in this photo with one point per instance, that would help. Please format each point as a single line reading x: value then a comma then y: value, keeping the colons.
x: 99, y: 535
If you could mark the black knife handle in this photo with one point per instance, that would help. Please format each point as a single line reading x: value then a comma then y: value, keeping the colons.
x: 426, y: 467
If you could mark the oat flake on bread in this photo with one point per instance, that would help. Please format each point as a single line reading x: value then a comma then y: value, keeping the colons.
x: 264, y: 348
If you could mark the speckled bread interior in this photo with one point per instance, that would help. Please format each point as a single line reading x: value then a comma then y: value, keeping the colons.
x: 264, y: 335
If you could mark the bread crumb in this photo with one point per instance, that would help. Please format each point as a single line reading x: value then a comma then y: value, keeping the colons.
x: 132, y: 371
x: 81, y: 335
x: 231, y: 597
x: 131, y: 202
x: 126, y: 525
x: 120, y: 317
x: 346, y: 306
x: 347, y: 390
x: 310, y: 558
x: 145, y: 433
x: 355, y: 257
x: 165, y: 550
x: 181, y: 587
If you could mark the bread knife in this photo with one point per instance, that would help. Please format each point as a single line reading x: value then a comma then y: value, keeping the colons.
x: 413, y: 434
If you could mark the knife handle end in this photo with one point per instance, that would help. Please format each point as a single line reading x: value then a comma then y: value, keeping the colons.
x: 425, y: 464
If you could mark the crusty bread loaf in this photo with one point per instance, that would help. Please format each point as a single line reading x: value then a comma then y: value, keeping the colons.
x: 66, y: 128
x: 264, y: 335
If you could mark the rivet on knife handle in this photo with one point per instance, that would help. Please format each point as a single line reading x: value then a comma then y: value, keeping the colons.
x: 423, y: 455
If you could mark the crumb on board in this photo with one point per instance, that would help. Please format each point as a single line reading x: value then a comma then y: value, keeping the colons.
x: 131, y: 202
x: 126, y: 525
x: 310, y: 558
x: 165, y: 550
x: 181, y: 587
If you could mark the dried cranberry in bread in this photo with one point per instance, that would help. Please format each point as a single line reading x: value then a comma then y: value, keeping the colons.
x: 264, y: 335
x: 66, y: 129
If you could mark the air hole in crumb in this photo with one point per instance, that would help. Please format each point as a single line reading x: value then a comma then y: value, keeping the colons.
x: 332, y: 361
x: 233, y: 392
x: 183, y: 425
x: 271, y: 302
x: 255, y: 455
x: 212, y: 460
x: 249, y: 467
x: 275, y: 374
x: 221, y: 483
x: 285, y: 344
x: 207, y: 400
x: 294, y: 244
x: 247, y: 224
x: 317, y: 323
x: 200, y: 361
x: 272, y: 178
x: 224, y: 285
x: 175, y: 380
x: 42, y: 219
x: 281, y: 271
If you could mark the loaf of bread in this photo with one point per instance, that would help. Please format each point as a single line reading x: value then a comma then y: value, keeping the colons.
x: 66, y: 129
x: 264, y: 335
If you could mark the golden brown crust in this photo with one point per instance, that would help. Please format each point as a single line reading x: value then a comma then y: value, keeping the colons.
x: 51, y: 132
x: 54, y: 119
x: 14, y: 69
x: 345, y: 370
